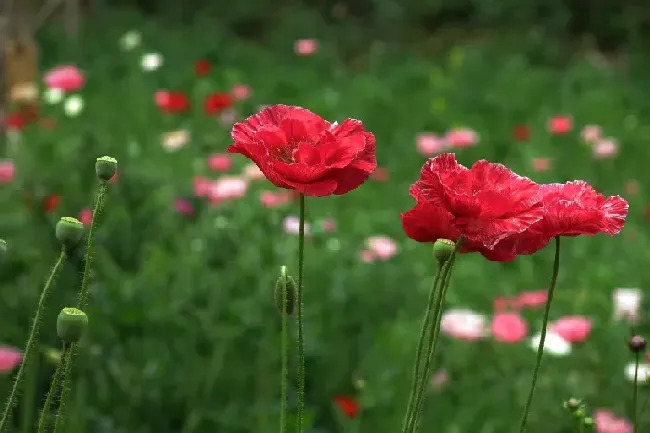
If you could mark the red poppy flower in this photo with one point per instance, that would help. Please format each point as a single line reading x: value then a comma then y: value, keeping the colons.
x: 202, y: 67
x: 348, y: 405
x: 570, y: 209
x: 521, y: 133
x: 485, y: 204
x: 51, y: 202
x: 171, y: 102
x: 296, y: 149
x: 217, y: 102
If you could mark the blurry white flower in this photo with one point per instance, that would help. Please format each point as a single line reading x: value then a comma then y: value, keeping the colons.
x: 53, y: 96
x: 73, y: 106
x: 643, y: 374
x: 175, y: 140
x: 130, y: 40
x: 24, y: 92
x: 627, y: 303
x: 463, y: 324
x: 151, y: 61
x: 291, y: 225
x: 553, y: 344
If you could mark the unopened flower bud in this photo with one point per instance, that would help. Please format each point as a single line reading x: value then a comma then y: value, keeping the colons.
x: 285, y: 293
x: 573, y: 404
x: 3, y: 250
x: 105, y: 168
x: 443, y: 249
x: 579, y: 413
x: 588, y: 422
x: 69, y: 231
x: 71, y: 324
x: 636, y: 344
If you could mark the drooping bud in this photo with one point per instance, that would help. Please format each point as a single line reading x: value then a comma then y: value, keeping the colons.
x: 637, y: 344
x: 71, y: 324
x: 285, y: 293
x: 105, y: 168
x: 442, y: 250
x: 69, y: 231
x: 3, y: 250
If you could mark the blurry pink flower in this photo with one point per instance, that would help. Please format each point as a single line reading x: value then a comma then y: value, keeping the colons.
x: 501, y: 304
x: 632, y: 187
x: 305, y: 47
x: 541, y: 164
x: 253, y: 172
x: 605, y: 148
x: 573, y: 329
x: 291, y: 225
x: 328, y: 225
x: 380, y: 174
x: 183, y: 206
x: 241, y: 91
x: 271, y: 199
x: 531, y: 299
x: 202, y: 186
x: 560, y: 125
x: 461, y: 137
x: 10, y: 357
x: 382, y: 247
x: 463, y: 324
x: 227, y: 188
x: 220, y: 162
x: 227, y: 117
x: 367, y: 256
x: 607, y: 422
x: 429, y: 144
x: 591, y: 133
x: 7, y: 171
x: 66, y: 78
x: 86, y: 216
x: 509, y: 327
x: 439, y: 379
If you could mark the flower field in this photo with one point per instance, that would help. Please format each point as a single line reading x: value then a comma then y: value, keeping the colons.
x: 183, y: 334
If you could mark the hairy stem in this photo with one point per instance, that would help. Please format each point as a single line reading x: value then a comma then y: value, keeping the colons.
x: 301, y: 337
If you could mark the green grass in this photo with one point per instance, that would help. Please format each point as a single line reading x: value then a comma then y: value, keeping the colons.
x: 184, y: 336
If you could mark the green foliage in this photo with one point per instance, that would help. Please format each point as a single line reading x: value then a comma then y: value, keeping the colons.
x: 184, y: 334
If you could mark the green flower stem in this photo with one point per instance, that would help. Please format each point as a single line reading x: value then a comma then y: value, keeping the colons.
x: 542, y: 339
x: 433, y: 338
x: 635, y: 395
x: 54, y: 386
x: 301, y: 337
x: 32, y: 340
x: 99, y: 205
x: 67, y: 368
x: 418, y: 353
x: 285, y: 361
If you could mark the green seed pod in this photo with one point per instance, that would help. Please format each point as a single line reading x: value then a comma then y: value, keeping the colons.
x: 443, y: 249
x: 69, y: 231
x: 3, y: 250
x: 105, y: 168
x: 71, y: 324
x: 579, y: 413
x: 288, y: 296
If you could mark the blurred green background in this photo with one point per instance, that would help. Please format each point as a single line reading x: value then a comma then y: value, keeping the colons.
x: 184, y: 336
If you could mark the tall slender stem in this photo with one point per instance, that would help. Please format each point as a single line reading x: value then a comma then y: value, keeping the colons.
x: 32, y: 340
x: 285, y: 360
x: 54, y: 386
x: 432, y: 343
x: 301, y: 337
x: 635, y: 394
x: 99, y: 204
x: 542, y: 339
x: 60, y: 415
x: 410, y: 409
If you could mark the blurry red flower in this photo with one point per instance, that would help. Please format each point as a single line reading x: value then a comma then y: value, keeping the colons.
x: 380, y: 174
x: 531, y: 299
x: 560, y: 125
x: 15, y: 121
x: 486, y: 204
x: 202, y: 67
x: 296, y: 149
x: 572, y: 328
x: 215, y: 103
x: 171, y: 102
x: 521, y: 133
x: 51, y: 202
x: 347, y: 405
x: 509, y: 327
x: 570, y: 209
